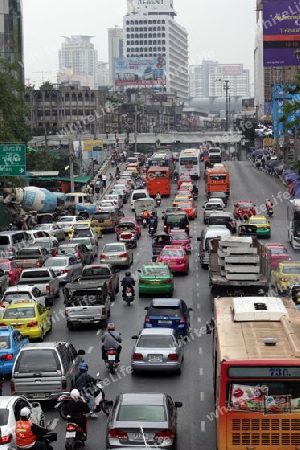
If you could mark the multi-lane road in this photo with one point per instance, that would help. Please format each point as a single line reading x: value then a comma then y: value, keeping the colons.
x: 196, y: 426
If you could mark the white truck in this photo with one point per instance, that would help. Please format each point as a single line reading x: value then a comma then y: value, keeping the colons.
x: 44, y: 279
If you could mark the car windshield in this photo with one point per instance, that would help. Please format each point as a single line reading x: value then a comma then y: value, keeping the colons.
x: 4, y: 342
x: 9, y: 297
x: 66, y: 250
x: 79, y: 298
x: 211, y: 206
x: 4, y: 416
x: 4, y: 266
x: 113, y: 248
x: 245, y: 205
x: 19, y: 313
x: 94, y: 271
x: 55, y: 262
x: 172, y: 253
x: 37, y: 360
x: 259, y: 221
x: 278, y: 251
x: 81, y: 240
x: 291, y: 270
x: 142, y: 413
x: 155, y: 272
x: 45, y: 244
x: 178, y: 237
x: 163, y: 310
x: 155, y: 341
x: 175, y: 219
x: 185, y: 205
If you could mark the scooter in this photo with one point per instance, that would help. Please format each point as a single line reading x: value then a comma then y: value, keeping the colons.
x: 270, y: 212
x: 152, y: 230
x: 195, y: 196
x: 96, y: 390
x: 145, y: 223
x: 75, y: 436
x: 51, y: 436
x: 112, y: 360
x: 128, y: 296
x: 157, y: 202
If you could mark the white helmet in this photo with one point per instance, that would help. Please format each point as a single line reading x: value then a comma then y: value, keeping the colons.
x: 75, y: 394
x: 25, y: 412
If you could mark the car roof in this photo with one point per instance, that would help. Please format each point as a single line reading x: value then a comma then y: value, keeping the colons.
x: 165, y: 302
x: 172, y: 247
x: 157, y: 331
x: 154, y: 264
x: 290, y: 263
x: 6, y: 400
x: 257, y: 217
x: 142, y: 398
x: 19, y: 304
x: 6, y: 330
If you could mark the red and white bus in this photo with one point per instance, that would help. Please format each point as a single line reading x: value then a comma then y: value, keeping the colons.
x: 158, y: 180
x: 256, y: 362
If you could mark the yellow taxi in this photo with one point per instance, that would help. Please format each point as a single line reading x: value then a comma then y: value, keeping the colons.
x: 263, y: 227
x: 186, y: 186
x: 180, y: 198
x: 284, y: 275
x: 31, y: 319
x: 93, y: 224
x: 133, y: 168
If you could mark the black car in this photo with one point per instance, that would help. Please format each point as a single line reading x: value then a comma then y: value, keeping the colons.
x: 83, y: 254
x: 177, y: 220
x: 159, y: 241
x: 221, y: 195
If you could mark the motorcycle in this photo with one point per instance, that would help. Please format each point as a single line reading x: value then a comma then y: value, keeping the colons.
x: 175, y: 179
x: 152, y: 230
x: 128, y: 296
x: 75, y: 436
x: 51, y: 436
x: 195, y: 196
x: 96, y: 390
x: 145, y: 223
x: 112, y: 360
x: 129, y: 237
x: 157, y: 202
x: 270, y: 211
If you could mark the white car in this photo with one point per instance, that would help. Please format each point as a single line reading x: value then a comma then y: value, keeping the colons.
x: 88, y: 241
x: 52, y: 229
x: 15, y: 294
x: 10, y: 407
x: 66, y: 222
x: 66, y: 268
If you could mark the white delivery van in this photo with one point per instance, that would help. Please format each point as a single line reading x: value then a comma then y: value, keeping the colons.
x: 207, y: 234
x: 137, y: 194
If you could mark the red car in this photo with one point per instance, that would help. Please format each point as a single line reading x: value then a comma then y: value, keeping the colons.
x: 127, y: 223
x: 184, y: 179
x: 278, y: 254
x: 179, y: 237
x: 12, y: 270
x: 175, y: 257
x: 244, y: 209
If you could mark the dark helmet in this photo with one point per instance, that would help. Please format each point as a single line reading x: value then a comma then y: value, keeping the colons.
x: 83, y: 367
x: 127, y: 274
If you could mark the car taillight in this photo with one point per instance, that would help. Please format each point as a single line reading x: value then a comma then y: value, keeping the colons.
x: 117, y: 434
x: 285, y: 280
x: 239, y: 210
x: 64, y: 271
x: 38, y: 263
x: 5, y: 439
x: 3, y: 324
x: 137, y: 356
x: 147, y: 319
x: 64, y: 385
x: 47, y: 289
x: 182, y: 320
x: 33, y: 324
x: 173, y: 357
x: 141, y: 281
x: 123, y: 255
x: 102, y: 256
x: 7, y: 357
x: 111, y: 352
x: 70, y: 427
x: 12, y: 387
x: 161, y: 435
x: 167, y: 281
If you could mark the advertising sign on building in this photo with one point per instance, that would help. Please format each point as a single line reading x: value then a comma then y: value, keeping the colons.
x: 89, y: 144
x: 279, y: 96
x: 140, y: 71
x: 281, y: 33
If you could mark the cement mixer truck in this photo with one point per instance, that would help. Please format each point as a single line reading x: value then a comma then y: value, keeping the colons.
x: 36, y: 204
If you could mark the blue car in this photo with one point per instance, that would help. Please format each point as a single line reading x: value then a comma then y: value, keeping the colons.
x: 168, y: 313
x: 11, y: 342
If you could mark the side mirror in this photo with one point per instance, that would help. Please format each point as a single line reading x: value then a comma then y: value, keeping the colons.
x: 135, y: 336
x: 81, y: 352
x: 191, y: 309
x: 139, y: 270
x: 198, y: 238
x: 203, y: 206
x: 178, y: 404
x: 235, y: 205
x: 146, y: 308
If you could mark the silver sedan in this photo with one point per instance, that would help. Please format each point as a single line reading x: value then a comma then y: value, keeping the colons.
x: 116, y: 254
x: 157, y: 349
x: 52, y: 229
x: 66, y: 268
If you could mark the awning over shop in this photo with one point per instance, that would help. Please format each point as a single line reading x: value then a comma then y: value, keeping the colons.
x: 77, y: 179
x: 82, y: 178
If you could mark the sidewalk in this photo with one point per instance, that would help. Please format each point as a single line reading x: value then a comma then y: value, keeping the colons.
x: 108, y: 170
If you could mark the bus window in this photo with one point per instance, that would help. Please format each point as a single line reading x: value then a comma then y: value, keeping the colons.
x: 158, y: 180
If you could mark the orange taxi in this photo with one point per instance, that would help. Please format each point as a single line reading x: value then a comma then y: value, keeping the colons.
x: 190, y: 208
x: 182, y: 179
x: 180, y: 198
x: 186, y: 186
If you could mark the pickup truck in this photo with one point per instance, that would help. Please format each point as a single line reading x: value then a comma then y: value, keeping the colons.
x: 4, y: 281
x: 28, y: 257
x: 44, y: 279
x: 97, y: 272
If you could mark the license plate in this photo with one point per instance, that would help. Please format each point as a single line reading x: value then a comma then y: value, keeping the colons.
x: 37, y: 395
x: 70, y: 434
x: 141, y: 436
x: 154, y: 282
x: 111, y: 357
x: 155, y: 357
x: 175, y: 228
x: 165, y: 322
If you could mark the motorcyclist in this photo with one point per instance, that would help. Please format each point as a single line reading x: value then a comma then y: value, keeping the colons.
x: 128, y: 281
x: 158, y: 197
x: 175, y: 175
x: 269, y: 204
x: 27, y: 432
x: 111, y: 339
x: 146, y: 215
x: 153, y: 221
x: 195, y: 191
x: 82, y: 379
x: 77, y: 409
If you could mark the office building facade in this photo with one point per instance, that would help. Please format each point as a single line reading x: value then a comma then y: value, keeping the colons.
x: 150, y: 30
x: 115, y: 50
x: 11, y: 34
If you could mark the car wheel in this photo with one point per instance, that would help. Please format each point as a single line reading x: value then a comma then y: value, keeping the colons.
x: 50, y: 326
x: 112, y: 296
x: 42, y: 337
x: 70, y: 326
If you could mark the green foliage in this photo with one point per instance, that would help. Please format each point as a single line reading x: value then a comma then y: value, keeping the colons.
x: 292, y: 106
x: 43, y: 159
x: 13, y: 108
x: 47, y: 86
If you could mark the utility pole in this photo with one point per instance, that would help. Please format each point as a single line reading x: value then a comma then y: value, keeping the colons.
x: 226, y: 87
x: 71, y: 165
x: 135, y: 128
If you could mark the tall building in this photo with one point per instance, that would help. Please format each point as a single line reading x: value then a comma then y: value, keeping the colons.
x: 207, y: 80
x: 151, y: 31
x: 102, y: 76
x: 115, y: 49
x: 78, y: 53
x: 11, y: 34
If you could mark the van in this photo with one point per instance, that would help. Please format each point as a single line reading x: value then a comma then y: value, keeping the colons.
x: 206, y: 235
x: 107, y: 220
x: 176, y: 221
x: 87, y: 303
x: 137, y: 194
x: 215, y: 154
x: 11, y: 242
x: 43, y: 370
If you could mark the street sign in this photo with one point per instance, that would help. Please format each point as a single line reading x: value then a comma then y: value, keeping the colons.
x: 97, y: 149
x: 12, y: 159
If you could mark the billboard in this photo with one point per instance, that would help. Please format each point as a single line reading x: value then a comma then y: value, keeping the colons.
x: 140, y: 71
x: 279, y: 97
x: 281, y: 33
x: 89, y: 144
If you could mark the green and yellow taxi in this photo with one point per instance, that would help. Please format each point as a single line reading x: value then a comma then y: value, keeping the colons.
x: 155, y: 279
x: 180, y: 198
x: 263, y: 226
x: 285, y: 275
x: 31, y: 319
x: 93, y: 224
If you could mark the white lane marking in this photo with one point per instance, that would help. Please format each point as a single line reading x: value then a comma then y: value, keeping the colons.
x: 201, y: 396
x: 98, y: 332
x: 197, y: 284
x: 198, y: 319
x: 202, y: 426
x: 89, y: 350
x: 54, y: 423
x: 198, y: 294
x: 198, y: 306
x: 200, y: 351
x: 201, y: 371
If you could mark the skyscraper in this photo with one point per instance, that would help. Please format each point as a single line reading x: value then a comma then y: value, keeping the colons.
x: 11, y: 34
x: 78, y: 54
x: 115, y: 49
x: 150, y: 30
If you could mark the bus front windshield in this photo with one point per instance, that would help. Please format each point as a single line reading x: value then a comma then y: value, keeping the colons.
x: 297, y: 227
x: 189, y: 160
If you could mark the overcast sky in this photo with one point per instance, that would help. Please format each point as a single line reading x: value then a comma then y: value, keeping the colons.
x: 218, y: 30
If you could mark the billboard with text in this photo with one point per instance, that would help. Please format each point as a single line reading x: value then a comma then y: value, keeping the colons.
x: 140, y: 71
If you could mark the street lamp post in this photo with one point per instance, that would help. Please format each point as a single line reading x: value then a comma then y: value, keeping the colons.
x: 226, y: 87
